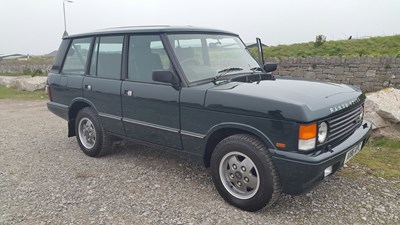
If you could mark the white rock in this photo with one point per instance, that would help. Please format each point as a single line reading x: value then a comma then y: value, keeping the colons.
x: 387, y: 104
x: 6, y: 81
x: 24, y: 83
x: 382, y: 109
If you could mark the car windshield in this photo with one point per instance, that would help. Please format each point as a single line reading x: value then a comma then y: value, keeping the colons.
x: 205, y: 56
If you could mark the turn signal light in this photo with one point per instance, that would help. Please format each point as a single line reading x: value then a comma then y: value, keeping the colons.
x: 308, y: 131
x: 307, y: 137
x: 280, y: 145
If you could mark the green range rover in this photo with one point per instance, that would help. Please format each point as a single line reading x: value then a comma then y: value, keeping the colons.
x: 199, y: 92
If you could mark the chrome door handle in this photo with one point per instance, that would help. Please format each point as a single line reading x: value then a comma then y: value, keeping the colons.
x: 128, y: 92
x: 88, y: 86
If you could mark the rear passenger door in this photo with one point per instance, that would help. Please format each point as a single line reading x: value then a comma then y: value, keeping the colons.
x: 102, y: 84
x: 150, y: 109
x: 68, y: 85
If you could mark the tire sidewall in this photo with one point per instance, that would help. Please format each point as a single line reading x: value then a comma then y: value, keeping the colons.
x: 266, y: 188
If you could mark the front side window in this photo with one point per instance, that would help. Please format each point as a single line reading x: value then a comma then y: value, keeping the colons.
x: 146, y: 54
x: 75, y: 62
x: 107, y: 57
x: 204, y: 56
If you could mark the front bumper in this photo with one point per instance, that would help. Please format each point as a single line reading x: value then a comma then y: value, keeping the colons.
x: 301, y: 172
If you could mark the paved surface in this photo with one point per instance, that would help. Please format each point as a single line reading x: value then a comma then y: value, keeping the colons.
x: 46, y: 179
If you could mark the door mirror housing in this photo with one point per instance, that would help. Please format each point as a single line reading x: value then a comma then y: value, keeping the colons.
x: 269, y: 67
x: 165, y: 76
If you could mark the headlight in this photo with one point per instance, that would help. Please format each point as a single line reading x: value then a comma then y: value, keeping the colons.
x: 322, y: 132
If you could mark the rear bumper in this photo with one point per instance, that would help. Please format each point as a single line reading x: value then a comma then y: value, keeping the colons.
x: 299, y: 172
x: 58, y: 109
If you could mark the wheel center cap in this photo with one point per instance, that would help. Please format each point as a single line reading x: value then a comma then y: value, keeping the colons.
x: 238, y: 175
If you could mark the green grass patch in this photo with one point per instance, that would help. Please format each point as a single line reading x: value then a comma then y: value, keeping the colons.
x: 11, y: 74
x: 31, y: 73
x: 382, y: 157
x: 374, y: 46
x: 10, y: 93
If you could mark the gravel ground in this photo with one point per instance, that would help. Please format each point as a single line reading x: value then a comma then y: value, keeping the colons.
x: 46, y: 179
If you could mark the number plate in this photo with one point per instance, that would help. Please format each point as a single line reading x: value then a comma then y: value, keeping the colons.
x: 352, y: 152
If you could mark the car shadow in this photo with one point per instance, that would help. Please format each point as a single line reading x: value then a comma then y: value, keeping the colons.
x: 190, y: 170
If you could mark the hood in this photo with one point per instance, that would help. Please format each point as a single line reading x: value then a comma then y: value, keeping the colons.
x: 297, y: 100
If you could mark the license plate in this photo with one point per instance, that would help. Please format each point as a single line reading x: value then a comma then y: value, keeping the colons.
x: 352, y: 152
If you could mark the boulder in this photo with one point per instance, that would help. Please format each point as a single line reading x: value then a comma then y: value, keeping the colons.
x: 24, y: 83
x: 382, y: 109
x: 6, y: 81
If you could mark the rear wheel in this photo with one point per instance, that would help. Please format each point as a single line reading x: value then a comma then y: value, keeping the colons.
x: 91, y: 135
x: 244, y: 173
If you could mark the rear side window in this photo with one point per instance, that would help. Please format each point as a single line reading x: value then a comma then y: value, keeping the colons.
x: 107, y: 57
x: 75, y: 62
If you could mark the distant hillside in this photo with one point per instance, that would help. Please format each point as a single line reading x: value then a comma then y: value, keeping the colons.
x: 51, y: 54
x: 374, y: 46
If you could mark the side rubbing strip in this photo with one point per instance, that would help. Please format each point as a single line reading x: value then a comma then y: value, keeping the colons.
x: 110, y: 116
x: 191, y: 134
x: 170, y: 129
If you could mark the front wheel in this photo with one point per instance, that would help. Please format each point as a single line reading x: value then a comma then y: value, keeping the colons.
x: 91, y: 135
x: 244, y: 174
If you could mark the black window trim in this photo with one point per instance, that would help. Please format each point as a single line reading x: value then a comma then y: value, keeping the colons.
x: 65, y: 57
x: 89, y: 61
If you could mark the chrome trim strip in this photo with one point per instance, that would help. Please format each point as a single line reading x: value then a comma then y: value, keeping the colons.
x: 191, y: 134
x: 110, y: 116
x: 170, y: 129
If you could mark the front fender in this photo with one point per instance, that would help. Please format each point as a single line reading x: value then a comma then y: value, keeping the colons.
x: 243, y: 127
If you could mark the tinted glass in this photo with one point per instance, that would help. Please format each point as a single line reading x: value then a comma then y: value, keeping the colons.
x: 109, y: 57
x: 75, y: 62
x: 146, y: 53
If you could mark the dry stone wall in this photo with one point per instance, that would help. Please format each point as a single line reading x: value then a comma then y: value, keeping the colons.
x: 369, y: 73
x: 18, y: 66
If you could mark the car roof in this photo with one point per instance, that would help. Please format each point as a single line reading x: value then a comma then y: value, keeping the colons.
x: 151, y: 29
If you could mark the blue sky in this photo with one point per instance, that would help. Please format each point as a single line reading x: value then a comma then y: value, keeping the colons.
x: 36, y: 26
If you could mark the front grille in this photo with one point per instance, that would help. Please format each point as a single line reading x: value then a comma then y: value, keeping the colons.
x: 344, y: 124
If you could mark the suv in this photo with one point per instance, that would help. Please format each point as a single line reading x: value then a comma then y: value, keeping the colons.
x: 200, y: 92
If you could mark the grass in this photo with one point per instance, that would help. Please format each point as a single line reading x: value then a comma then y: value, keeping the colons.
x: 12, y: 74
x: 374, y: 46
x: 24, y: 73
x: 382, y: 157
x: 10, y: 93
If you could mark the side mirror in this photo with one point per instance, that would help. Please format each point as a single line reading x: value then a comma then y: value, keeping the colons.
x: 269, y: 67
x: 165, y: 76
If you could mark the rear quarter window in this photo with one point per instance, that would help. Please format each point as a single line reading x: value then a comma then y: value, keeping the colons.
x: 75, y: 61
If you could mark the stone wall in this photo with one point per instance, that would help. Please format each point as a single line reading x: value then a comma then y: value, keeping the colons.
x: 17, y: 66
x: 369, y: 73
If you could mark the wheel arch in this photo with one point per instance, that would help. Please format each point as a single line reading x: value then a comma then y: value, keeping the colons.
x: 219, y: 132
x: 76, y: 105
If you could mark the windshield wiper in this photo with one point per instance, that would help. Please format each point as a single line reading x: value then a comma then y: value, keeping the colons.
x: 257, y: 68
x: 225, y: 71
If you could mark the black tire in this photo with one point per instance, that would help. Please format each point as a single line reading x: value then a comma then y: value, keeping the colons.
x: 261, y: 185
x: 98, y: 146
